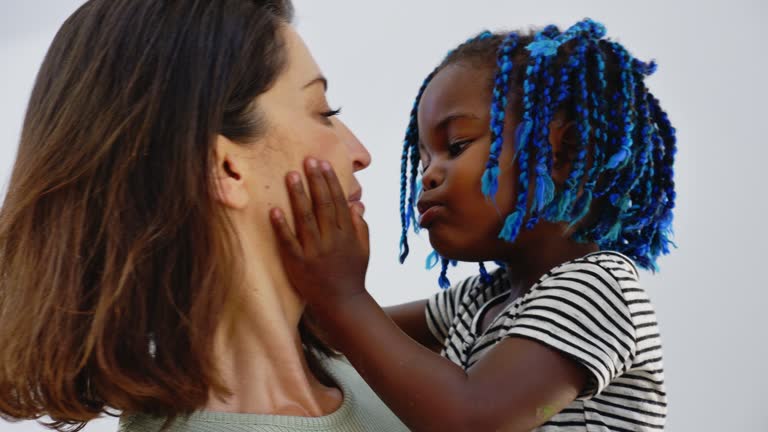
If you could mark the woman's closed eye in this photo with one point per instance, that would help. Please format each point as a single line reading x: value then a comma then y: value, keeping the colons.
x: 330, y: 113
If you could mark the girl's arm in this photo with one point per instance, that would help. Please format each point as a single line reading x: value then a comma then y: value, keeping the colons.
x: 516, y: 386
x: 412, y: 319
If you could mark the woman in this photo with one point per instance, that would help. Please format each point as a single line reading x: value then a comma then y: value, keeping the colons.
x: 138, y: 267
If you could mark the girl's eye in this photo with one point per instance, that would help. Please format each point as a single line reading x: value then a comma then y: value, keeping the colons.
x: 456, y: 148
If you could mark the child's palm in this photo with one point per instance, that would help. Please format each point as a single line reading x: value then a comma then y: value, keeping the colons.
x: 327, y: 258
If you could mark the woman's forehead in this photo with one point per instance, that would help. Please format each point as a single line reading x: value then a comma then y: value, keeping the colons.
x: 301, y: 66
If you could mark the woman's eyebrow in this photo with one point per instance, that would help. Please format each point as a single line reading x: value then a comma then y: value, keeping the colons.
x: 320, y: 79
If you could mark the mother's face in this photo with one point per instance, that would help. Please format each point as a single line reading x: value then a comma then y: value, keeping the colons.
x: 299, y: 124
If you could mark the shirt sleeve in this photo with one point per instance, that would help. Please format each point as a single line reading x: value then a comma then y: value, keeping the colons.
x: 580, y: 311
x: 442, y: 307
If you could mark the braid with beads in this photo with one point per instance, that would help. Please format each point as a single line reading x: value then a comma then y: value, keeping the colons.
x: 626, y: 145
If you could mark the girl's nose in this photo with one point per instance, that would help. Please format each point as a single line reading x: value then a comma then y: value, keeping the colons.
x: 432, y: 177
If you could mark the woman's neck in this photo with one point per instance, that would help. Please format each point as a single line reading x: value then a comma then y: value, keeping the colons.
x: 258, y: 349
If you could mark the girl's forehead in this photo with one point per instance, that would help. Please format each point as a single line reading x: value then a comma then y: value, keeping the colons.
x: 455, y: 89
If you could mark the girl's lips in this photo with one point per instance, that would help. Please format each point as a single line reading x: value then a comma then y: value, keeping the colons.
x: 430, y: 214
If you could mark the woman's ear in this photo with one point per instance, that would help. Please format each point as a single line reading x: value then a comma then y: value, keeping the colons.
x: 564, y: 139
x: 229, y: 185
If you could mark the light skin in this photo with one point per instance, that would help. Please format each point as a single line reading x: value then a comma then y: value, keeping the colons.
x: 519, y: 384
x: 257, y: 346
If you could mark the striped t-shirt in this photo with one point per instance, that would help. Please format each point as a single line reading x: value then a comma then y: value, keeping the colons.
x: 593, y: 310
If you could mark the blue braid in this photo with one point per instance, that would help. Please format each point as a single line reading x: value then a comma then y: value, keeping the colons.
x: 542, y: 47
x: 413, y: 187
x: 587, y: 27
x: 432, y: 259
x: 549, y: 32
x: 648, y: 237
x: 484, y: 276
x: 548, y: 41
x: 573, y: 209
x: 624, y: 160
x: 410, y: 152
x: 668, y: 135
x: 647, y: 241
x: 514, y: 221
x: 556, y: 211
x: 649, y: 134
x: 620, y: 159
x: 443, y: 280
x: 545, y: 187
x: 634, y: 219
x: 614, y: 128
x: 498, y: 113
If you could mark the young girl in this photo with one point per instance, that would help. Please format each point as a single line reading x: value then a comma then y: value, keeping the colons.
x: 568, y: 188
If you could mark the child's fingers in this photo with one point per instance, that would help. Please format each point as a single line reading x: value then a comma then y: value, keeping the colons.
x: 361, y: 228
x: 343, y: 218
x: 286, y: 240
x: 303, y: 214
x: 325, y: 210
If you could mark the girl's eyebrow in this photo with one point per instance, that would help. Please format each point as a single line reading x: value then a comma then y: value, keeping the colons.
x: 455, y: 116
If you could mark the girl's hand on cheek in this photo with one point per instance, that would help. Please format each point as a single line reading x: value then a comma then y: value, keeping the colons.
x: 327, y: 257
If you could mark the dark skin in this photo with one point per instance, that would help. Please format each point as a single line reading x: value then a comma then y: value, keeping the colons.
x: 519, y: 384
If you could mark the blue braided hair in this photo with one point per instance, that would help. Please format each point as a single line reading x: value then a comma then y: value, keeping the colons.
x: 498, y: 113
x: 620, y: 193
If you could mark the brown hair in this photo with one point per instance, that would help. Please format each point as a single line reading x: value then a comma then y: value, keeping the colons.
x: 115, y: 261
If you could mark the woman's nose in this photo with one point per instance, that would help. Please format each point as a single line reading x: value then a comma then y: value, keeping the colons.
x: 360, y: 156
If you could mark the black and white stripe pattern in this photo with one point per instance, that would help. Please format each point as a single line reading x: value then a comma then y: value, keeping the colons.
x: 592, y: 309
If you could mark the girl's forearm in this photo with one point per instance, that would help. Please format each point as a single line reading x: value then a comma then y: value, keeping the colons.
x: 428, y: 392
x: 411, y: 318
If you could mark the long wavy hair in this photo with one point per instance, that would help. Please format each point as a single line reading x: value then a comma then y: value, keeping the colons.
x: 116, y: 263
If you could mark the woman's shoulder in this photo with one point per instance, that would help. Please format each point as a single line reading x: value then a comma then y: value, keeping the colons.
x: 361, y: 410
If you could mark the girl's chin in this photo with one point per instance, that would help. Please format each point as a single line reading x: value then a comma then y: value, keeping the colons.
x: 446, y: 249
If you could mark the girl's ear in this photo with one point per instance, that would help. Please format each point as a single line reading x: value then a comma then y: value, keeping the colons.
x: 229, y: 185
x: 564, y: 139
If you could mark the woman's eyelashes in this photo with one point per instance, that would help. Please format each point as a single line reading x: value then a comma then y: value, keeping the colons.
x: 330, y: 113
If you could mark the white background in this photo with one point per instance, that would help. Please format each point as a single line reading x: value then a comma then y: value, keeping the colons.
x: 710, y: 293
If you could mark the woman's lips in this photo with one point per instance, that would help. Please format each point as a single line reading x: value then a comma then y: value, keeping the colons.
x: 355, y: 202
x: 429, y: 216
x: 358, y: 206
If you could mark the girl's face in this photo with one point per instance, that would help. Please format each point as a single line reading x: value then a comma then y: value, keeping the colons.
x: 454, y: 142
x: 300, y: 123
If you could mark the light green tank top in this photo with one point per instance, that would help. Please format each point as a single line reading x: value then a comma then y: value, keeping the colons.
x: 360, y: 411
